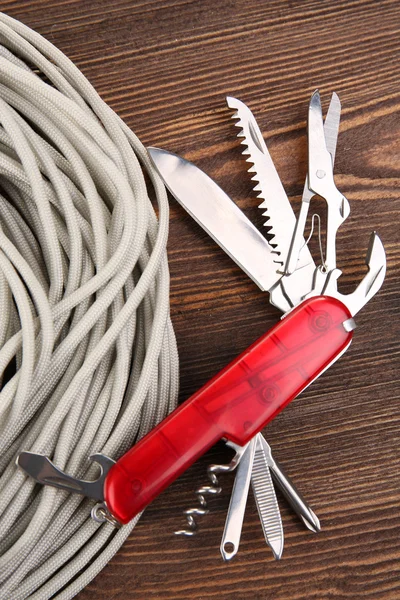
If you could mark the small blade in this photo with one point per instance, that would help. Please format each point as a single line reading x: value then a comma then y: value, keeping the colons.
x: 280, y: 217
x: 208, y: 204
x: 267, y: 504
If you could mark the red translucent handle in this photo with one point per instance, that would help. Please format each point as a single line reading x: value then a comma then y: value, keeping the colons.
x: 236, y: 404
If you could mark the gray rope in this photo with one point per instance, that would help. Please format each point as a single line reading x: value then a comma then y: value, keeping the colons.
x: 84, y: 301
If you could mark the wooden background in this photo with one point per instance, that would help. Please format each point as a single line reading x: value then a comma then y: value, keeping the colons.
x: 166, y: 66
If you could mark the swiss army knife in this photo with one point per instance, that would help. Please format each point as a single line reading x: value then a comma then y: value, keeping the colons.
x: 235, y: 405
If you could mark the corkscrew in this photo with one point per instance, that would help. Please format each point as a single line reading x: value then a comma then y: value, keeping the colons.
x: 209, y: 490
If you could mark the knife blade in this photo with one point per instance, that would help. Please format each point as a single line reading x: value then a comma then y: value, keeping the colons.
x: 212, y: 208
x: 219, y: 216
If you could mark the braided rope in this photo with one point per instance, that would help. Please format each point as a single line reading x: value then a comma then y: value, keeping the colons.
x: 85, y: 333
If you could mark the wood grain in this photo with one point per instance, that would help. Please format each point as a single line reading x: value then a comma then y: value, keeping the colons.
x: 165, y: 66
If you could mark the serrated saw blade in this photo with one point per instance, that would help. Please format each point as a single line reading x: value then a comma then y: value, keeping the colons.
x: 275, y: 204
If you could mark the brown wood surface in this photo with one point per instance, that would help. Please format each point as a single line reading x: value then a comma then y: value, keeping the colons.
x: 166, y: 67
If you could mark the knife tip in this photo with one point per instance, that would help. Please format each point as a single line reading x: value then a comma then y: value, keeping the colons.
x: 152, y: 150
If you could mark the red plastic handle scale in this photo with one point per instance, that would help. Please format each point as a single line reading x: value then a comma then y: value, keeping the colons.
x: 236, y: 404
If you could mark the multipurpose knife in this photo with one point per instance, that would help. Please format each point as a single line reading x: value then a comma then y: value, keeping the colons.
x: 316, y: 329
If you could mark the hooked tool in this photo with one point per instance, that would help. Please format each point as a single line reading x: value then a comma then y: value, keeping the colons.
x: 245, y: 396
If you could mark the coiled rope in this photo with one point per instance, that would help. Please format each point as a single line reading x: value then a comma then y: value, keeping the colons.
x: 88, y: 357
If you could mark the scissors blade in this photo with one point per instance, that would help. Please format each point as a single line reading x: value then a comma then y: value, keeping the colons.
x: 320, y: 167
x: 331, y: 125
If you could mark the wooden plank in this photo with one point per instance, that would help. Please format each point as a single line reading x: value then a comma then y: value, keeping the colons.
x: 165, y: 66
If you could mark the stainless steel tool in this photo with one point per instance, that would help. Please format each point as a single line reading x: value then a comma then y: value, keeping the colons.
x: 243, y: 398
x: 281, y: 264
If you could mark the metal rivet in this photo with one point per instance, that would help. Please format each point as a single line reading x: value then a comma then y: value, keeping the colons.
x: 349, y: 324
x: 320, y: 174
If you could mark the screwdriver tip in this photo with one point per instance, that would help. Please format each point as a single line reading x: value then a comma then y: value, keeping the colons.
x: 312, y: 522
